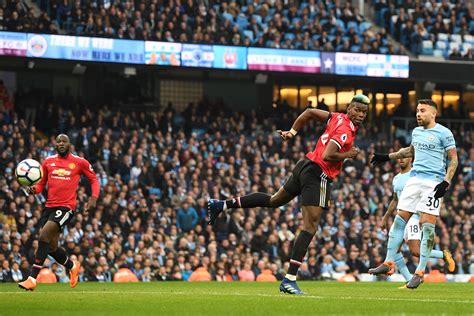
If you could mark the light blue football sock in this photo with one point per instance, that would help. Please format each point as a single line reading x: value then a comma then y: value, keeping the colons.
x: 395, y: 237
x: 427, y: 243
x: 402, y: 266
x: 438, y: 254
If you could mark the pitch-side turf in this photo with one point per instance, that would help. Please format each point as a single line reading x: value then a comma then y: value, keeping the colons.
x: 237, y: 298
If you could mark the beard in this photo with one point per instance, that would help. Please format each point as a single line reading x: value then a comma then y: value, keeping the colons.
x: 63, y: 153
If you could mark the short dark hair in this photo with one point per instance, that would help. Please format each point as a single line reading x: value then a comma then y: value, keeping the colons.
x: 428, y: 102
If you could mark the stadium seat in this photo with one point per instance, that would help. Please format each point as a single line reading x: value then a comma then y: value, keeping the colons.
x: 242, y: 21
x: 466, y: 47
x: 456, y: 38
x: 469, y: 39
x: 289, y: 36
x: 427, y: 48
x: 258, y: 18
x: 441, y: 45
x: 439, y: 53
x: 453, y: 45
x: 355, y: 48
x: 354, y: 25
x: 228, y: 16
x: 249, y: 34
x: 443, y: 37
x: 364, y: 26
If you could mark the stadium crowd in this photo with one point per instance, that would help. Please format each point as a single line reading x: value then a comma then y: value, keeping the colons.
x: 426, y: 27
x: 157, y: 170
x: 312, y: 24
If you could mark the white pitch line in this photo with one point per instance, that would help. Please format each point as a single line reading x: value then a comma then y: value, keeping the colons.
x: 258, y: 294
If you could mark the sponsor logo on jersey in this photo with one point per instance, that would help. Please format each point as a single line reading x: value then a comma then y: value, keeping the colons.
x: 423, y: 146
x: 61, y: 172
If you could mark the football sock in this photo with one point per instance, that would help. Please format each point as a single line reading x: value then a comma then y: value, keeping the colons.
x: 402, y: 266
x: 61, y: 257
x: 395, y: 237
x: 438, y: 254
x: 427, y: 243
x: 249, y: 201
x: 41, y: 253
x: 299, y: 251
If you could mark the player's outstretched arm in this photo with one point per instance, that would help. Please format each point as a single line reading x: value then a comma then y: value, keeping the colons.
x: 302, y: 120
x: 402, y: 153
x: 392, y: 207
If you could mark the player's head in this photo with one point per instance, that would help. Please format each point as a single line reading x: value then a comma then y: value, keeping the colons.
x: 426, y: 112
x: 405, y: 162
x: 62, y: 144
x: 357, y: 109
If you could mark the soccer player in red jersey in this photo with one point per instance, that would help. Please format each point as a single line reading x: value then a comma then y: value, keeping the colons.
x: 61, y: 173
x: 311, y: 178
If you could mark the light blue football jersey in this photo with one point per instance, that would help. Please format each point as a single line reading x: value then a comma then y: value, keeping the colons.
x: 399, y: 181
x: 431, y: 146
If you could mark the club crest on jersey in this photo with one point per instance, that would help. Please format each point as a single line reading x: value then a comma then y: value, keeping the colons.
x: 431, y: 138
x: 72, y: 165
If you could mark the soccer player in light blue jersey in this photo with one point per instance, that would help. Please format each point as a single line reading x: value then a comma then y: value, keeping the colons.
x: 412, y: 234
x: 432, y: 146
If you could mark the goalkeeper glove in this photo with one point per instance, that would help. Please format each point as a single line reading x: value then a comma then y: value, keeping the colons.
x: 440, y: 189
x: 379, y: 158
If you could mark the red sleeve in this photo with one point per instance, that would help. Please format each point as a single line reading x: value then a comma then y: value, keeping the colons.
x: 39, y: 187
x: 341, y: 136
x: 90, y: 174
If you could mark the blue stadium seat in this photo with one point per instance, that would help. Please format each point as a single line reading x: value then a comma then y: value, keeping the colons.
x: 248, y: 34
x: 228, y: 16
x: 469, y: 39
x: 289, y: 36
x: 456, y: 38
x: 355, y: 48
x: 340, y: 23
x: 453, y: 45
x: 438, y: 53
x: 465, y: 48
x: 258, y: 18
x: 383, y: 50
x: 364, y: 26
x: 295, y: 20
x: 242, y: 21
x: 427, y: 48
x: 315, y: 37
x: 354, y: 25
x: 441, y: 45
x: 443, y: 37
x: 269, y: 43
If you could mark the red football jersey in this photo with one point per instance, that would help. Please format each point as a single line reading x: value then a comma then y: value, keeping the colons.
x: 339, y: 130
x: 62, y: 176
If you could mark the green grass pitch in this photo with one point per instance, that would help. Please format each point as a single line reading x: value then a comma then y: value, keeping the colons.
x: 237, y: 298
